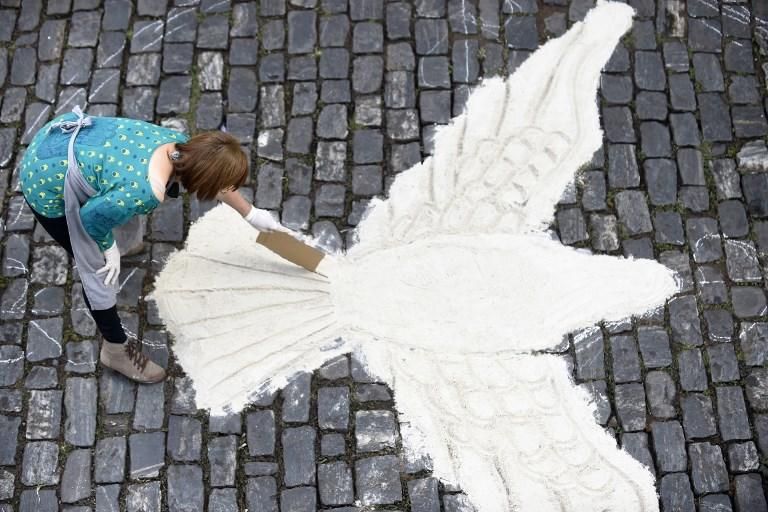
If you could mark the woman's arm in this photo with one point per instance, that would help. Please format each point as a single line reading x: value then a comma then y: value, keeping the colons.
x: 236, y: 200
x: 258, y: 218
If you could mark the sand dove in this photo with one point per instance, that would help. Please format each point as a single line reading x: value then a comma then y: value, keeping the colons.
x: 451, y: 295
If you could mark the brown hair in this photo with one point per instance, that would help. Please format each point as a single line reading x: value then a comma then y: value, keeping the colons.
x: 211, y: 162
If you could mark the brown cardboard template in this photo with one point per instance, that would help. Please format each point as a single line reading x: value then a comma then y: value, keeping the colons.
x: 291, y: 249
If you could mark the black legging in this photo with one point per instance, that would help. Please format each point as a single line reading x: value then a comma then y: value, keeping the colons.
x: 107, y: 320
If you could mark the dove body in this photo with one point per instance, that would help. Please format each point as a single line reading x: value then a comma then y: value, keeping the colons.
x: 504, y: 292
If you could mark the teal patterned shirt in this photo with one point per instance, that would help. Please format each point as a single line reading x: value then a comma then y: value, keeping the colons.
x: 113, y: 154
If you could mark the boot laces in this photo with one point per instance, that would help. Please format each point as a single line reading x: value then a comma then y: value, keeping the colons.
x: 138, y: 359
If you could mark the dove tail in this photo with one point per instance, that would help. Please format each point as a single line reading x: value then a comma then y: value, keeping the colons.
x: 243, y: 319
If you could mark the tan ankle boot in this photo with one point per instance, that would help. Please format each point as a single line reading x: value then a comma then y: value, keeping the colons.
x: 126, y: 358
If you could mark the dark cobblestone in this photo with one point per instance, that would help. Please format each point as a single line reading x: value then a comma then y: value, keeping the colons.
x: 374, y: 430
x: 334, y: 63
x: 109, y: 460
x: 753, y: 340
x: 630, y: 406
x: 52, y: 39
x: 685, y: 131
x: 398, y: 17
x: 654, y: 347
x: 669, y: 445
x: 616, y: 89
x: 335, y: 91
x: 299, y: 456
x: 693, y: 376
x: 661, y: 394
x: 434, y: 72
x: 84, y: 28
x: 377, y: 480
x: 400, y: 57
x: 622, y: 166
x: 732, y: 413
x: 748, y: 301
x: 388, y: 81
x: 626, y: 361
x: 649, y: 71
x: 675, y: 56
x: 694, y: 198
x: 184, y: 439
x: 273, y: 35
x: 147, y: 452
x: 222, y: 458
x: 335, y: 483
x: 743, y: 457
x: 707, y: 468
x: 715, y: 119
x: 423, y: 495
x: 756, y: 389
x: 618, y: 124
x: 76, y: 477
x: 212, y: 32
x: 669, y: 228
x: 741, y: 261
x: 698, y: 416
x: 41, y: 377
x: 755, y: 187
x: 368, y: 37
x: 333, y: 408
x: 9, y: 432
x: 749, y: 495
x: 738, y: 57
x: 676, y: 493
x: 714, y: 502
x: 571, y: 226
x: 743, y: 90
x: 261, y: 433
x: 604, y: 233
x: 39, y: 466
x: 244, y: 52
x: 185, y: 488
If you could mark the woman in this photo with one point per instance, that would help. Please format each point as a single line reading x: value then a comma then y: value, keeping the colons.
x: 84, y: 176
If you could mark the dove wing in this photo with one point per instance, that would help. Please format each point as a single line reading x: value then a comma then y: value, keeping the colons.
x: 503, y: 164
x: 513, y: 431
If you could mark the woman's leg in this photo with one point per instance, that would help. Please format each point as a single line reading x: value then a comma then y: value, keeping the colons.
x: 107, y: 320
x: 125, y: 358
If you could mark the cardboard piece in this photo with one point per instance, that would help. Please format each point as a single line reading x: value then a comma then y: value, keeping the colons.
x: 291, y: 249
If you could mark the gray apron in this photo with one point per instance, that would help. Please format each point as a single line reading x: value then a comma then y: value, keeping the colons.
x: 77, y: 191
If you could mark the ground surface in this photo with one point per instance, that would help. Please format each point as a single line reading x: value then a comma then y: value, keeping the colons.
x: 333, y: 98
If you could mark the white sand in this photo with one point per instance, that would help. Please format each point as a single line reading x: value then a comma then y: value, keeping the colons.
x: 452, y: 286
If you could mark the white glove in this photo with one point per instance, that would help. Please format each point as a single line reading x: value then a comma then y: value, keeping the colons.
x: 263, y: 220
x: 112, y: 267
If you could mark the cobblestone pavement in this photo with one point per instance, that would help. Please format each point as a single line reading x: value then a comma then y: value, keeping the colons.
x: 332, y: 98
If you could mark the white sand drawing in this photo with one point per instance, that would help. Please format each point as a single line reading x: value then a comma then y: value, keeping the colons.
x: 449, y: 296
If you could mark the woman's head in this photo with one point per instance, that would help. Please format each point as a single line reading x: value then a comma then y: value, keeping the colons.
x: 211, y: 162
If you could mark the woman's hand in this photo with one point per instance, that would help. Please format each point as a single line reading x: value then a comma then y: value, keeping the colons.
x: 263, y: 220
x: 112, y: 267
x: 256, y: 217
